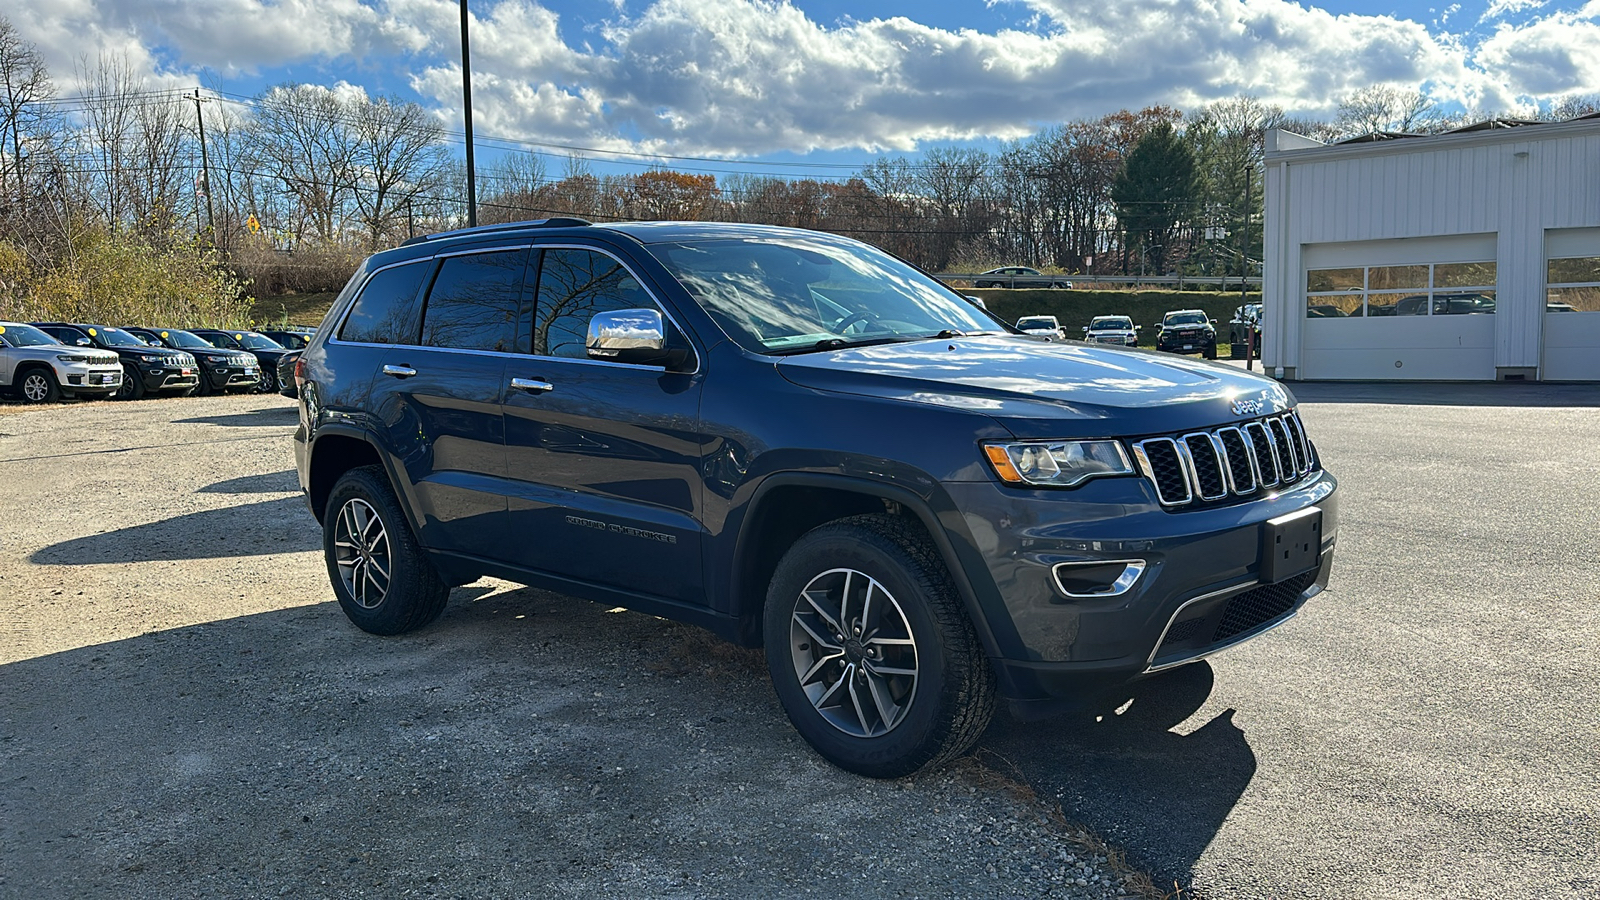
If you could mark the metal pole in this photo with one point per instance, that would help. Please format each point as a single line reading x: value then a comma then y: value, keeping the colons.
x: 205, y: 168
x: 466, y: 95
x: 1244, y: 276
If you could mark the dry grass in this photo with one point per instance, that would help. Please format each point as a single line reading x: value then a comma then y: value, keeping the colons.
x: 291, y: 309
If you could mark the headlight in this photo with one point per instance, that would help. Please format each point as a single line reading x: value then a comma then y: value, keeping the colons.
x: 150, y: 359
x: 1057, y: 463
x: 71, y: 359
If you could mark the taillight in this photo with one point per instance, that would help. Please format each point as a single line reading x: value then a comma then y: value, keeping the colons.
x: 300, y: 372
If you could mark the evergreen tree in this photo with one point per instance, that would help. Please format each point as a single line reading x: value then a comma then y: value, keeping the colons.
x: 1155, y: 191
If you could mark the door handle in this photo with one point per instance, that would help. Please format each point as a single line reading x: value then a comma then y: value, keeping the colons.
x: 532, y: 385
x: 399, y: 371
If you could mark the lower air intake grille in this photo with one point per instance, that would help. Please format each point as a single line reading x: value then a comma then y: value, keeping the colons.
x: 1260, y: 605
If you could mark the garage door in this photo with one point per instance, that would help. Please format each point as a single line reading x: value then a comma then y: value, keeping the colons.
x: 1572, y: 305
x: 1419, y: 308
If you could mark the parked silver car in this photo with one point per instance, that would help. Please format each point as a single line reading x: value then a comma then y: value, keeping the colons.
x: 37, y: 368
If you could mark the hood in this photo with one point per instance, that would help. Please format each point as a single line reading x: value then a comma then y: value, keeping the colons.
x: 1041, y: 389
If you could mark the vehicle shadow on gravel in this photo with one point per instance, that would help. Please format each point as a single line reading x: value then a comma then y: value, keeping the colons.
x: 523, y: 741
x: 283, y: 525
x: 1159, y: 795
x: 266, y: 483
x: 265, y: 417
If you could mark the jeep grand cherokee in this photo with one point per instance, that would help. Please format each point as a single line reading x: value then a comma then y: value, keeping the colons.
x: 801, y: 443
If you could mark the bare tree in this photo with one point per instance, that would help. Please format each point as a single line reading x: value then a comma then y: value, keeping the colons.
x: 1383, y: 107
x: 28, y: 124
x: 301, y: 136
x: 1574, y: 105
x: 397, y: 158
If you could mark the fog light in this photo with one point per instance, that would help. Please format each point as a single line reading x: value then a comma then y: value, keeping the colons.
x: 1108, y: 578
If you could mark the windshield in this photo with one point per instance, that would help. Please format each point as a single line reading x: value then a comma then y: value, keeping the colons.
x: 115, y: 337
x: 25, y: 336
x: 1186, y: 319
x: 1036, y: 322
x: 253, y: 341
x: 1111, y: 324
x: 184, y: 340
x: 778, y: 295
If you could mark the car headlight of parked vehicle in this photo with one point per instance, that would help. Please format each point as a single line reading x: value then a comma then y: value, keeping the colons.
x: 1057, y: 463
x: 68, y: 358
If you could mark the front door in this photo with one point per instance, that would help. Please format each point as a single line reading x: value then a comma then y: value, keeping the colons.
x: 604, y: 457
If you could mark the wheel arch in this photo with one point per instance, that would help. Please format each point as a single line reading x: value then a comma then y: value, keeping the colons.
x: 332, y: 455
x: 786, y: 506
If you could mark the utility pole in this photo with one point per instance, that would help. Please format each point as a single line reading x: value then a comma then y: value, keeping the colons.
x: 205, y: 168
x: 1244, y: 273
x: 466, y: 94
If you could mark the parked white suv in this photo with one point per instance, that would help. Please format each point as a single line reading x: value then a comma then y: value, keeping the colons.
x: 37, y: 368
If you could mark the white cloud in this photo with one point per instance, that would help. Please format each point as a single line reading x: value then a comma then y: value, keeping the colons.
x: 757, y: 76
x: 1501, y: 8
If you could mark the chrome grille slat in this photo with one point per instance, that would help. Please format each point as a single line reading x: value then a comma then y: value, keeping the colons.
x: 1226, y: 462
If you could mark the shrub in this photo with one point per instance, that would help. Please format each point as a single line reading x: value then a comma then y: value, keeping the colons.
x: 121, y: 279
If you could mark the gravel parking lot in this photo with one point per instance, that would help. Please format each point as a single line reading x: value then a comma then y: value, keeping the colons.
x: 185, y: 713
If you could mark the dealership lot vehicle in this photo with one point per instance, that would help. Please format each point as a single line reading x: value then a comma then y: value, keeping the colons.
x: 1188, y: 331
x: 563, y: 380
x: 265, y: 349
x: 220, y: 370
x: 1043, y: 326
x: 1019, y: 277
x: 289, y: 339
x: 286, y: 368
x: 37, y: 368
x: 145, y: 369
x: 1112, y: 330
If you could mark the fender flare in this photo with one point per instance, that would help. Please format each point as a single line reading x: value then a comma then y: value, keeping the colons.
x: 978, y: 612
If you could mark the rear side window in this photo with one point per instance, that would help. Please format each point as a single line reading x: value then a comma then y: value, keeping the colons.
x: 476, y: 302
x: 573, y: 286
x: 386, y: 311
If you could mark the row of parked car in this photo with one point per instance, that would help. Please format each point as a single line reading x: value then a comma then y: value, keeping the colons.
x: 42, y: 362
x: 1181, y: 330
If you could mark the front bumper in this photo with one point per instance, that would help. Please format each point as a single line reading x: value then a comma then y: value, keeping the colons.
x: 84, y: 380
x: 166, y: 378
x: 231, y: 377
x: 1200, y: 566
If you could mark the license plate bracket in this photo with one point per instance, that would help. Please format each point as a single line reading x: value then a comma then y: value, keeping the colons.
x: 1291, y: 544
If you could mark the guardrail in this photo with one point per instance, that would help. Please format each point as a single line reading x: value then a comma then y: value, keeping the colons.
x: 1179, y: 280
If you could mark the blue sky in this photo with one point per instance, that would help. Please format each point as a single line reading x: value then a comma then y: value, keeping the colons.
x: 831, y: 82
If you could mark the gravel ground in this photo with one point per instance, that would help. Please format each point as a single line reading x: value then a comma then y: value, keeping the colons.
x: 185, y: 713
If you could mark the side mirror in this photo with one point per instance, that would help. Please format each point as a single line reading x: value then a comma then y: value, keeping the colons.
x: 1085, y: 329
x: 152, y: 342
x: 1212, y: 321
x: 83, y: 342
x: 634, y: 336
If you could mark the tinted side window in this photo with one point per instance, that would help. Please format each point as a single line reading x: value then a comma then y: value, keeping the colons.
x: 476, y: 302
x: 386, y: 311
x: 573, y: 286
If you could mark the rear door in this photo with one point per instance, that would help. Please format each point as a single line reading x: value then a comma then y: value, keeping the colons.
x: 437, y: 399
x: 604, y: 457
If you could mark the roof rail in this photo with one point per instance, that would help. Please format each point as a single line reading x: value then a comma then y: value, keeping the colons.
x: 553, y: 222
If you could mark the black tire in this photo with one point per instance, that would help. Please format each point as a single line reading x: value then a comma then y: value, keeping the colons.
x: 412, y: 593
x: 132, y: 387
x: 267, y: 381
x: 1210, y: 352
x: 38, y: 385
x: 940, y: 690
x: 202, y: 387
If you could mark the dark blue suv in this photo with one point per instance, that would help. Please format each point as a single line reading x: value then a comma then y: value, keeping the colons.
x: 800, y: 442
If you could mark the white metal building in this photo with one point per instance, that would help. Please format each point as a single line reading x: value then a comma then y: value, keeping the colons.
x: 1470, y: 255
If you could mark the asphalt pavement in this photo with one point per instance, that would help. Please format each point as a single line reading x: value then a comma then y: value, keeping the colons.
x: 1427, y: 727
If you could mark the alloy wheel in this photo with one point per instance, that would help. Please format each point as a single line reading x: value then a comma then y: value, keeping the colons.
x: 35, y: 388
x: 361, y: 553
x: 853, y: 652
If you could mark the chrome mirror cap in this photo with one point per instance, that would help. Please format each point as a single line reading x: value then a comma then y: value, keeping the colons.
x: 626, y: 333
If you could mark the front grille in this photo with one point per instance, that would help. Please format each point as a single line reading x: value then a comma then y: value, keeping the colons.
x: 1261, y: 605
x: 1227, y: 462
